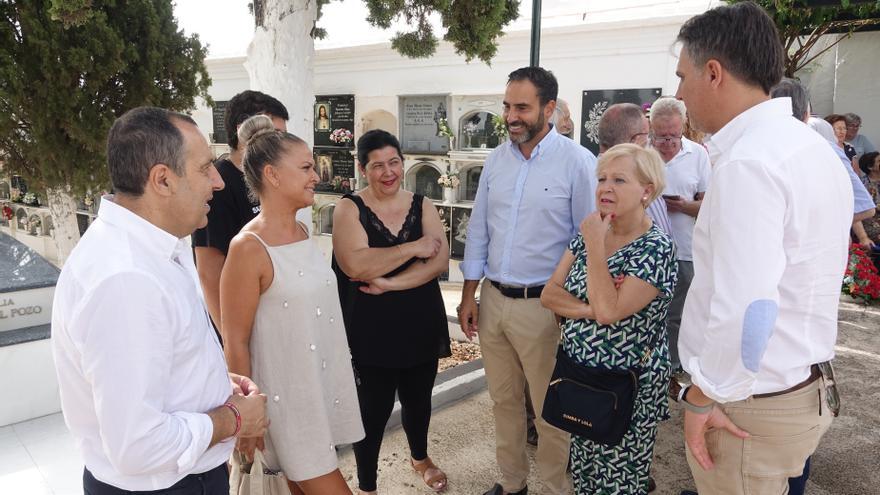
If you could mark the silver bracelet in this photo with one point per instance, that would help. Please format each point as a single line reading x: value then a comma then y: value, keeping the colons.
x: 693, y: 407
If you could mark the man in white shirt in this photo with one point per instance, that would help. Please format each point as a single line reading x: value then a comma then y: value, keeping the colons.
x: 143, y: 381
x: 687, y: 178
x: 769, y: 248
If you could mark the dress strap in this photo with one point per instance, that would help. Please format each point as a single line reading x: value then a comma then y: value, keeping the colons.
x: 259, y: 239
x: 304, y: 228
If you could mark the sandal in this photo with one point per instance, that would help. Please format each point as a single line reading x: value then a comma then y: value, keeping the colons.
x: 432, y: 482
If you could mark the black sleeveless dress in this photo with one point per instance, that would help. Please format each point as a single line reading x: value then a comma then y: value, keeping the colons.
x: 397, y: 329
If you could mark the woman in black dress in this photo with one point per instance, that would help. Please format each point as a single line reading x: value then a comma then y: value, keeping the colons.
x: 389, y: 247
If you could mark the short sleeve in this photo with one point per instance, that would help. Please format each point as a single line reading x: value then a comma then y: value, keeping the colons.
x: 576, y: 246
x: 653, y: 260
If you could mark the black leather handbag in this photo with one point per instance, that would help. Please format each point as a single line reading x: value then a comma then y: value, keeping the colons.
x: 595, y: 403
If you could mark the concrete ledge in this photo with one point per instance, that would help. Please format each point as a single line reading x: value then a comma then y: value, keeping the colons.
x: 24, y: 335
x: 450, y: 386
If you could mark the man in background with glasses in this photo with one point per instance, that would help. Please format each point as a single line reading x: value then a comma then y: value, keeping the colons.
x: 687, y: 178
x: 858, y: 141
x: 626, y: 123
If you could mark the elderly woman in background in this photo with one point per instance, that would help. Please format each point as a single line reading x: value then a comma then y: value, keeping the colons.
x: 838, y: 123
x: 281, y: 319
x: 612, y: 290
x: 389, y: 247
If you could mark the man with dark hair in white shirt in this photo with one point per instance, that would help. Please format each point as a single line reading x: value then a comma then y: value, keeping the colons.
x: 770, y: 246
x: 143, y: 381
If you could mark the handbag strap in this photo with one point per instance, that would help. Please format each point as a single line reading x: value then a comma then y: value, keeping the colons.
x: 258, y: 472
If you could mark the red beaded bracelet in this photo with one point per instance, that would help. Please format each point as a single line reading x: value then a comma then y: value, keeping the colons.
x: 234, y: 409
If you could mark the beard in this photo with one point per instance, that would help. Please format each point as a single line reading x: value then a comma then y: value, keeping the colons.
x: 529, y: 130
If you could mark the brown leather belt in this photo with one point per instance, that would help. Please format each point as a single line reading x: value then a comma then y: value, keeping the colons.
x: 814, y: 375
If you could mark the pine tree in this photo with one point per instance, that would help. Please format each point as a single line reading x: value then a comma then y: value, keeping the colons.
x: 68, y: 68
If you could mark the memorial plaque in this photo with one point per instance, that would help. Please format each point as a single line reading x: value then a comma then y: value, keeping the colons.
x: 219, y: 116
x: 420, y: 124
x: 335, y: 168
x: 458, y: 232
x: 595, y: 102
x: 334, y: 121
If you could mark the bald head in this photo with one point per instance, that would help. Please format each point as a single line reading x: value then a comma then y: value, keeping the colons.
x: 622, y: 123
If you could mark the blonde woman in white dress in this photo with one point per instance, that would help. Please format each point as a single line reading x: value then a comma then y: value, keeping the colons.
x: 281, y: 319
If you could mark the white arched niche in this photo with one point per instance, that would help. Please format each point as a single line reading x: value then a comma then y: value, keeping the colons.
x: 422, y: 177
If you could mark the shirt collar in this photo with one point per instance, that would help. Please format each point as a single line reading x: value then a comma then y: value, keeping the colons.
x: 149, y: 236
x: 687, y: 147
x: 546, y: 142
x: 724, y: 139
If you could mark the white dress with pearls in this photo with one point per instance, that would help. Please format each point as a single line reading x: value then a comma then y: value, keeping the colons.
x: 300, y: 359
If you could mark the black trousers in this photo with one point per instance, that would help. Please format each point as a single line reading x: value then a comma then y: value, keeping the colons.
x: 213, y: 482
x: 376, y: 388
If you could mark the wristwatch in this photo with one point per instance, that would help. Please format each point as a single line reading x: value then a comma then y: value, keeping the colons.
x: 692, y: 407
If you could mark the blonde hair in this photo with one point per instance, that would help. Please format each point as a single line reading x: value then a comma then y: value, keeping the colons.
x: 263, y: 145
x: 649, y: 165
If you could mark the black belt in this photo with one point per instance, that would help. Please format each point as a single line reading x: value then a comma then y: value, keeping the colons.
x: 814, y: 375
x: 518, y: 292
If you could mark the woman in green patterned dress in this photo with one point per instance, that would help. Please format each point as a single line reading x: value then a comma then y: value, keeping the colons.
x: 612, y: 305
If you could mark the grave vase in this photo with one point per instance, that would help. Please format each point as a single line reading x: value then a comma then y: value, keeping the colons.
x: 448, y: 195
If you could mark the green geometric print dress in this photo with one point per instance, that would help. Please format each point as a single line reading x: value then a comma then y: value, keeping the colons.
x: 598, y: 469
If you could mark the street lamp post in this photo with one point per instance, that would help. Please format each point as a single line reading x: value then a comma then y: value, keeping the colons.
x: 535, y: 55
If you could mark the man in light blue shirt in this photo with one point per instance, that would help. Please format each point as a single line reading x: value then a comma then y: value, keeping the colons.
x: 533, y: 193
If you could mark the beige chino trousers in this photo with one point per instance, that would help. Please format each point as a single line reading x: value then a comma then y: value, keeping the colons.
x: 784, y: 431
x: 518, y: 339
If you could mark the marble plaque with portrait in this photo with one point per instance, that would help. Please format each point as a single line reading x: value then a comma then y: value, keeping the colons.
x: 334, y: 121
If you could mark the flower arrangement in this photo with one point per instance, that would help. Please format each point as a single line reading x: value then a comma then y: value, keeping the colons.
x: 15, y: 195
x: 341, y: 136
x: 449, y: 180
x: 7, y: 212
x: 861, y: 279
x: 499, y: 126
x: 444, y: 130
x: 30, y: 199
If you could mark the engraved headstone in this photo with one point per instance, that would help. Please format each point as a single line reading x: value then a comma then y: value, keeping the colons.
x: 420, y: 124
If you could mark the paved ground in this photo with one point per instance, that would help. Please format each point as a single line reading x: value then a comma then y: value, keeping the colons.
x: 846, y: 463
x: 39, y: 457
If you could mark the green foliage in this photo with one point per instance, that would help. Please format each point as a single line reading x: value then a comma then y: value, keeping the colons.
x: 802, y: 26
x: 472, y: 26
x: 68, y: 68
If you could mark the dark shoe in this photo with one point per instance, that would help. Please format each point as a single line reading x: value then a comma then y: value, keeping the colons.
x: 652, y: 485
x: 688, y: 492
x: 498, y: 490
x: 532, y: 435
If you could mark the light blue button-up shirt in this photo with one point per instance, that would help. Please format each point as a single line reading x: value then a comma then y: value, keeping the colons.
x: 527, y: 210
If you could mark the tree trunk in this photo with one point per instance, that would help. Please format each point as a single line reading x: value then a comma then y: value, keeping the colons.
x: 62, y: 207
x: 279, y: 63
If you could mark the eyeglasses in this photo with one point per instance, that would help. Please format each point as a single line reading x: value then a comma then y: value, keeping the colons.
x: 853, y: 126
x: 665, y: 139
